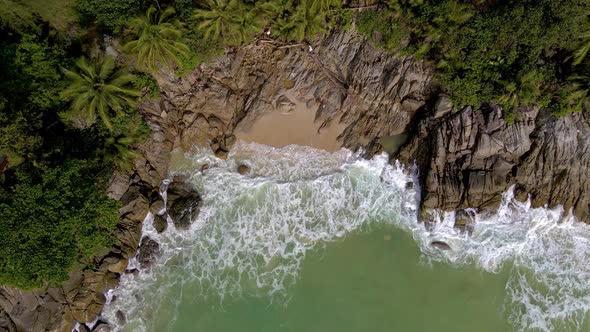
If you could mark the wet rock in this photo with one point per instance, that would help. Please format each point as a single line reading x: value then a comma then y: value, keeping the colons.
x: 83, y: 328
x: 204, y: 168
x: 464, y: 221
x: 101, y: 326
x: 243, y: 169
x: 160, y: 223
x: 120, y: 317
x: 440, y: 245
x: 184, y: 203
x: 135, y: 272
x: 149, y: 250
x: 221, y: 154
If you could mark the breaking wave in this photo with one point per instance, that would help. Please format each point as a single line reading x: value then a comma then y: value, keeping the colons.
x: 254, y: 231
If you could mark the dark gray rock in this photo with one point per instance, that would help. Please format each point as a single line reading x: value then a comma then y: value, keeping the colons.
x: 183, y: 203
x: 440, y: 245
x: 120, y: 317
x: 149, y: 250
x: 160, y: 223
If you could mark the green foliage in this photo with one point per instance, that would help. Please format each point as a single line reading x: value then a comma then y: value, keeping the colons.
x: 484, y: 51
x: 29, y: 90
x: 156, y: 40
x: 147, y: 82
x: 119, y: 141
x: 304, y: 21
x: 110, y: 14
x: 232, y: 20
x: 385, y: 29
x: 52, y: 219
x: 40, y: 63
x: 97, y: 90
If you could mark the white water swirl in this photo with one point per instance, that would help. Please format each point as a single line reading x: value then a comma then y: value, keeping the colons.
x: 255, y: 230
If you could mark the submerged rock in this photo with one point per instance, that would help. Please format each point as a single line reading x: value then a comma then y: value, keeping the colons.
x: 120, y: 317
x: 243, y: 169
x: 440, y: 245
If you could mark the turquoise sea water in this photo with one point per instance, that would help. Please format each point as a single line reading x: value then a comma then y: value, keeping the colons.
x: 318, y: 241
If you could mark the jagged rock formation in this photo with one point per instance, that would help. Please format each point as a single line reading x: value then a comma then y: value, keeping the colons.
x: 466, y: 157
x: 352, y: 82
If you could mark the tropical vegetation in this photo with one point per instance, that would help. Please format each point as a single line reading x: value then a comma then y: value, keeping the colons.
x: 156, y: 40
x: 97, y: 89
x: 68, y: 108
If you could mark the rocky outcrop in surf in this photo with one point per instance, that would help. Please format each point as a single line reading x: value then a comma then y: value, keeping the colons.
x: 467, y: 158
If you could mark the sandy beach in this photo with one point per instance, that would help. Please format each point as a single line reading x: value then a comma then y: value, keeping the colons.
x: 292, y: 122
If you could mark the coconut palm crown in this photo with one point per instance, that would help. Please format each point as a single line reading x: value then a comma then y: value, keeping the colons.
x: 307, y: 20
x: 97, y: 90
x: 156, y: 40
x: 233, y: 20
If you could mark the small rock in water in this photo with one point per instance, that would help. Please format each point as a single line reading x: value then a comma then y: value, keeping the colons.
x: 120, y: 317
x: 204, y: 168
x: 243, y: 169
x: 387, y: 237
x: 132, y: 271
x: 440, y: 245
x: 410, y: 185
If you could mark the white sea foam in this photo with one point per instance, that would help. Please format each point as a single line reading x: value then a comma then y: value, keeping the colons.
x: 254, y: 231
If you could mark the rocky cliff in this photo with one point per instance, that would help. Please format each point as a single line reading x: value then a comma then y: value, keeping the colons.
x: 466, y: 157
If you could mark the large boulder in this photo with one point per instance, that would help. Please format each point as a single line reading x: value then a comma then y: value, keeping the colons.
x: 149, y: 250
x: 183, y: 202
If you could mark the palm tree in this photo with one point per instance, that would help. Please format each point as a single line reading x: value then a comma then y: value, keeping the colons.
x: 443, y: 26
x: 580, y: 97
x: 523, y: 93
x: 156, y: 40
x: 97, y: 89
x: 306, y: 21
x: 325, y: 5
x: 233, y: 20
x: 119, y: 150
x: 580, y: 53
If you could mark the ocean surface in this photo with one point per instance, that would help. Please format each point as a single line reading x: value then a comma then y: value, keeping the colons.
x: 311, y: 240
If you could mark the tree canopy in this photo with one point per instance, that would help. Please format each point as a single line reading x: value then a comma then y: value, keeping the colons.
x: 97, y: 90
